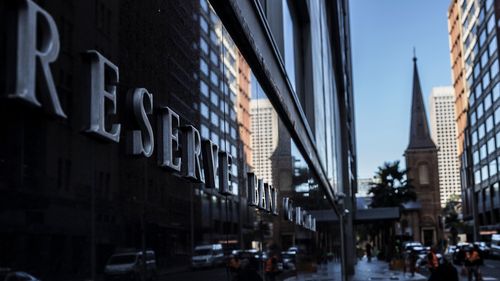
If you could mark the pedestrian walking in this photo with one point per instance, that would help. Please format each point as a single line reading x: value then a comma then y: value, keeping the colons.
x: 249, y: 272
x: 473, y: 261
x: 272, y: 268
x: 446, y: 271
x: 413, y: 256
x: 432, y: 263
x: 368, y: 249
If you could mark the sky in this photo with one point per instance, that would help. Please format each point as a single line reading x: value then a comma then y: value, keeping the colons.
x: 383, y: 34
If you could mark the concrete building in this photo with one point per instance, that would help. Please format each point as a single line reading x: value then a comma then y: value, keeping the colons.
x: 421, y: 156
x: 443, y: 129
x: 479, y: 164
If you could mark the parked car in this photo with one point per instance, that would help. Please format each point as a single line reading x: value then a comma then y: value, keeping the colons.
x: 294, y: 249
x: 495, y: 245
x: 7, y: 274
x: 207, y: 256
x: 128, y: 265
x: 409, y: 245
x: 485, y: 250
x: 288, y: 259
x: 460, y: 251
x: 449, y: 252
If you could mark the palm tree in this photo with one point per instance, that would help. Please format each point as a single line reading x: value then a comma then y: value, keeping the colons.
x: 391, y: 187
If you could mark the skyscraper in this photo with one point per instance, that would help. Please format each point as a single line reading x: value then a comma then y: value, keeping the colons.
x: 479, y: 162
x: 264, y: 137
x: 443, y: 129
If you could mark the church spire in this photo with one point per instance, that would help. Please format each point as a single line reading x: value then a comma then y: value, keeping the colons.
x: 419, y: 130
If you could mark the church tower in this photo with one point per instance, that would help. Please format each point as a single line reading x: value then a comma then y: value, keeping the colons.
x: 422, y: 164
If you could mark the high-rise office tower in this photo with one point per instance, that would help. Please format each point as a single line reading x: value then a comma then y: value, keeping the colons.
x: 264, y: 137
x: 443, y: 131
x: 479, y: 162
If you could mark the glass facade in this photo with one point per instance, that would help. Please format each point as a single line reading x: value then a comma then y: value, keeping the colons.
x: 147, y: 147
x: 481, y: 69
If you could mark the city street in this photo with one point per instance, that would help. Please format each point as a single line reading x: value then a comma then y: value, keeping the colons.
x: 210, y: 274
x: 490, y: 270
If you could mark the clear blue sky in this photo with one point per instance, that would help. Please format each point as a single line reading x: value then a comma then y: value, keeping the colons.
x: 383, y: 34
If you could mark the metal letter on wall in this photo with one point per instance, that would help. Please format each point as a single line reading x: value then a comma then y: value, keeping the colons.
x: 262, y: 195
x: 36, y: 45
x: 274, y: 200
x: 191, y: 153
x: 103, y: 80
x: 225, y: 163
x: 252, y: 189
x: 268, y: 196
x: 210, y: 152
x: 168, y: 139
x: 287, y: 209
x: 298, y: 216
x: 140, y: 142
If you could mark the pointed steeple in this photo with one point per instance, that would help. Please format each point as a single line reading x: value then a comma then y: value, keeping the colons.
x: 420, y: 136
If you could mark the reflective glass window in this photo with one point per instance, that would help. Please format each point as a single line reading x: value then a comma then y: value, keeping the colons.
x: 214, y: 118
x: 496, y: 92
x: 214, y: 58
x: 205, y: 133
x: 204, y: 88
x: 491, y: 145
x: 214, y: 98
x: 203, y: 24
x: 491, y: 23
x: 492, y: 48
x: 493, y: 167
x: 203, y: 66
x: 497, y: 115
x: 487, y: 102
x: 203, y: 45
x: 479, y: 110
x: 489, y: 123
x: 481, y: 131
x: 204, y: 110
x: 482, y: 152
x: 289, y: 43
x: 214, y: 78
x: 494, y: 69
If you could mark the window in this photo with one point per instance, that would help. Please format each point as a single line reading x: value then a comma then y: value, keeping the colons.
x: 204, y: 110
x: 494, y: 69
x: 481, y: 131
x: 479, y: 110
x: 497, y: 115
x: 492, y: 48
x: 289, y: 43
x: 489, y: 123
x: 473, y: 118
x: 482, y: 38
x: 233, y: 133
x: 477, y: 69
x: 214, y: 79
x: 482, y: 152
x: 214, y: 137
x: 472, y: 99
x: 204, y: 5
x: 214, y: 58
x: 214, y: 98
x: 203, y: 45
x: 204, y: 132
x: 484, y: 60
x: 486, y: 81
x: 204, y: 88
x: 491, y: 145
x: 484, y: 173
x: 491, y: 23
x: 423, y: 174
x: 203, y: 24
x: 475, y: 157
x: 214, y: 118
x: 203, y: 66
x: 496, y: 91
x: 477, y: 177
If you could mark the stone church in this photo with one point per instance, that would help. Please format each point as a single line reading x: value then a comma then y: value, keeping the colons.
x: 420, y: 219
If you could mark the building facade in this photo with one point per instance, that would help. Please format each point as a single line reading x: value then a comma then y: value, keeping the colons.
x: 444, y: 131
x: 422, y: 163
x: 479, y: 165
x: 126, y: 126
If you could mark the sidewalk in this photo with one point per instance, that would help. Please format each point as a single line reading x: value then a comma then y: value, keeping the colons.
x: 364, y: 271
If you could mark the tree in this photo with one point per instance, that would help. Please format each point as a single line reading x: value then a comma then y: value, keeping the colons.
x: 391, y: 188
x: 452, y: 220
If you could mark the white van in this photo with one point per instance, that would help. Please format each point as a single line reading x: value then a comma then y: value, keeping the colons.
x: 128, y: 266
x: 207, y: 256
x: 495, y: 245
